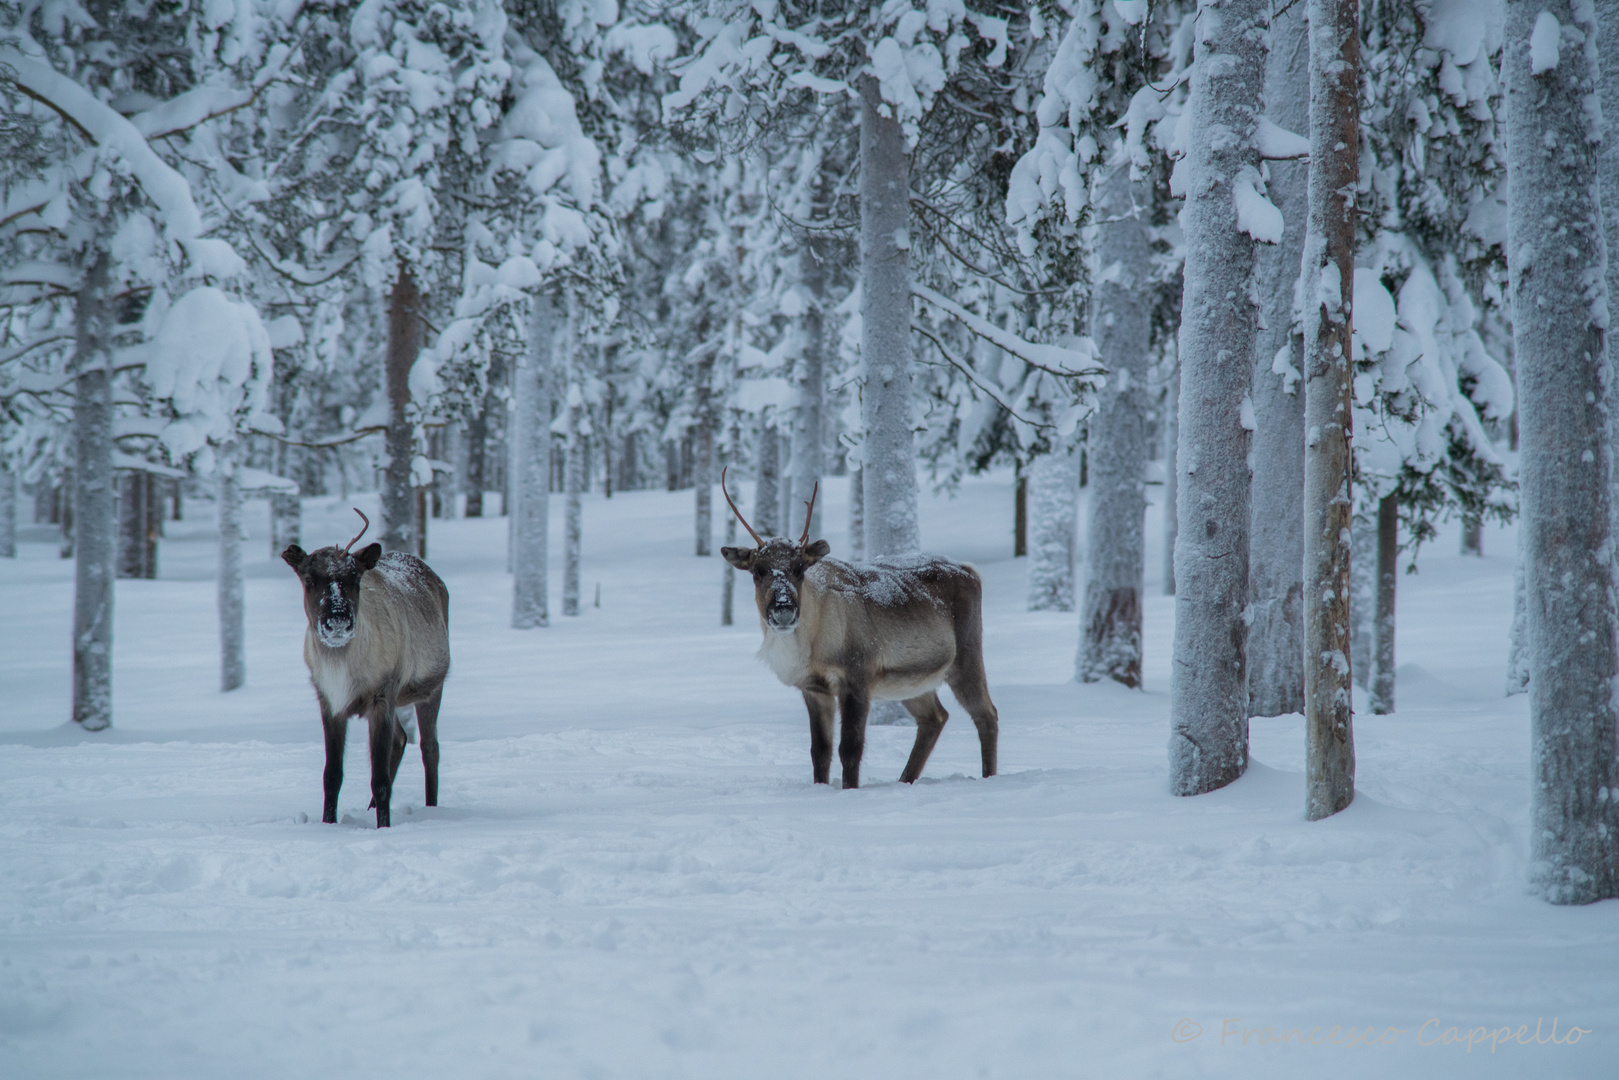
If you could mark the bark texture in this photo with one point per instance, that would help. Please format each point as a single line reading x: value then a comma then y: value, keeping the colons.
x: 404, y: 345
x: 857, y: 514
x: 1329, y: 254
x: 8, y: 511
x: 95, y: 514
x: 1115, y: 546
x: 530, y: 468
x: 1054, y: 517
x: 808, y: 459
x: 889, y: 457
x: 1209, y: 682
x: 232, y: 623
x: 1555, y: 253
x: 1276, y: 544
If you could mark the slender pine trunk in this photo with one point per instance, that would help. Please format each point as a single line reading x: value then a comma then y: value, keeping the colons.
x: 808, y: 458
x: 703, y: 451
x: 728, y: 575
x: 1054, y: 527
x: 857, y: 514
x: 1219, y: 320
x: 232, y: 623
x: 889, y: 457
x: 1472, y: 535
x: 1172, y: 438
x: 573, y: 486
x: 93, y: 528
x: 529, y: 472
x: 1388, y: 560
x: 8, y: 510
x: 1329, y: 270
x: 1276, y: 544
x: 477, y: 435
x: 1115, y: 546
x: 1555, y: 249
x: 766, y: 485
x: 404, y: 345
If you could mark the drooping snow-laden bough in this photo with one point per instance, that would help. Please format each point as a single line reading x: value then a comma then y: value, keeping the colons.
x: 845, y: 635
x: 378, y: 641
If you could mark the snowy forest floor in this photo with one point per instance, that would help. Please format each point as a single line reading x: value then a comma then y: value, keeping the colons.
x: 631, y: 875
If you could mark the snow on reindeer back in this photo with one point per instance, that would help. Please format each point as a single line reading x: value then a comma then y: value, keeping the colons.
x: 890, y: 581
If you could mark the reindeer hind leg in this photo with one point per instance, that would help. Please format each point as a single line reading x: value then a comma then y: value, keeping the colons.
x: 427, y: 732
x: 971, y: 688
x: 930, y: 717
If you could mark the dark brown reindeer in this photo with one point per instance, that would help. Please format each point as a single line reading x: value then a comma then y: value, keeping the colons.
x: 378, y: 641
x: 846, y: 635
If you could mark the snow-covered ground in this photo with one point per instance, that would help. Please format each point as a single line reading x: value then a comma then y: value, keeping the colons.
x: 630, y: 874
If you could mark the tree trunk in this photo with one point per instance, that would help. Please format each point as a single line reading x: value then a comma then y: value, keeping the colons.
x: 1115, y: 547
x: 728, y: 575
x: 1020, y: 515
x: 889, y: 458
x: 94, y: 510
x: 1362, y: 590
x: 1276, y: 544
x: 573, y: 487
x: 477, y: 435
x: 1388, y: 560
x: 703, y: 444
x: 8, y: 510
x: 1473, y: 535
x: 1518, y: 640
x: 1554, y: 233
x: 1329, y: 270
x: 529, y: 474
x: 232, y: 629
x: 1172, y: 438
x: 1608, y: 178
x: 857, y: 514
x: 1054, y: 521
x: 766, y: 488
x: 404, y: 345
x: 807, y: 460
x: 1219, y: 320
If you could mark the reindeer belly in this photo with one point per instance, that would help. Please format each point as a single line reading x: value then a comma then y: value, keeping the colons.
x: 902, y: 685
x: 915, y: 667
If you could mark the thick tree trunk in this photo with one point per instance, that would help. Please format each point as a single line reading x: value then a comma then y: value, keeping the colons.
x: 232, y: 625
x: 1115, y: 546
x: 1555, y: 253
x: 889, y: 456
x: 94, y: 518
x: 404, y: 345
x: 1209, y: 686
x: 529, y: 473
x: 573, y: 487
x: 1276, y: 545
x: 1388, y: 561
x: 1608, y: 179
x: 1172, y: 438
x: 1054, y: 521
x: 1329, y: 269
x: 766, y: 485
x: 139, y: 518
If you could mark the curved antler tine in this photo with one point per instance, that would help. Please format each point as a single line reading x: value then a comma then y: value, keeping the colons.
x: 359, y: 534
x: 809, y: 511
x: 737, y: 512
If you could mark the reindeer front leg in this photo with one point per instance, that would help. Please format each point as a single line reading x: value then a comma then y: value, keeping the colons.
x: 852, y: 745
x: 385, y: 734
x: 337, y: 731
x: 822, y: 716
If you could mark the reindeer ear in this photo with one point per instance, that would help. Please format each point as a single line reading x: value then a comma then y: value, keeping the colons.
x: 294, y: 557
x: 367, y: 556
x: 814, y: 553
x: 741, y: 558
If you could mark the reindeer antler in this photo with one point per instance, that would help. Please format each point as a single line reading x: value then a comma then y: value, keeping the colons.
x: 809, y: 510
x: 737, y: 512
x: 359, y: 534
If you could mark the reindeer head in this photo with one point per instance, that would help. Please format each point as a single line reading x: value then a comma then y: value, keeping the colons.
x: 778, y: 566
x: 331, y: 577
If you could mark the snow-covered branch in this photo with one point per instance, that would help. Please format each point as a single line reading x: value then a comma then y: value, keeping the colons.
x: 1052, y: 359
